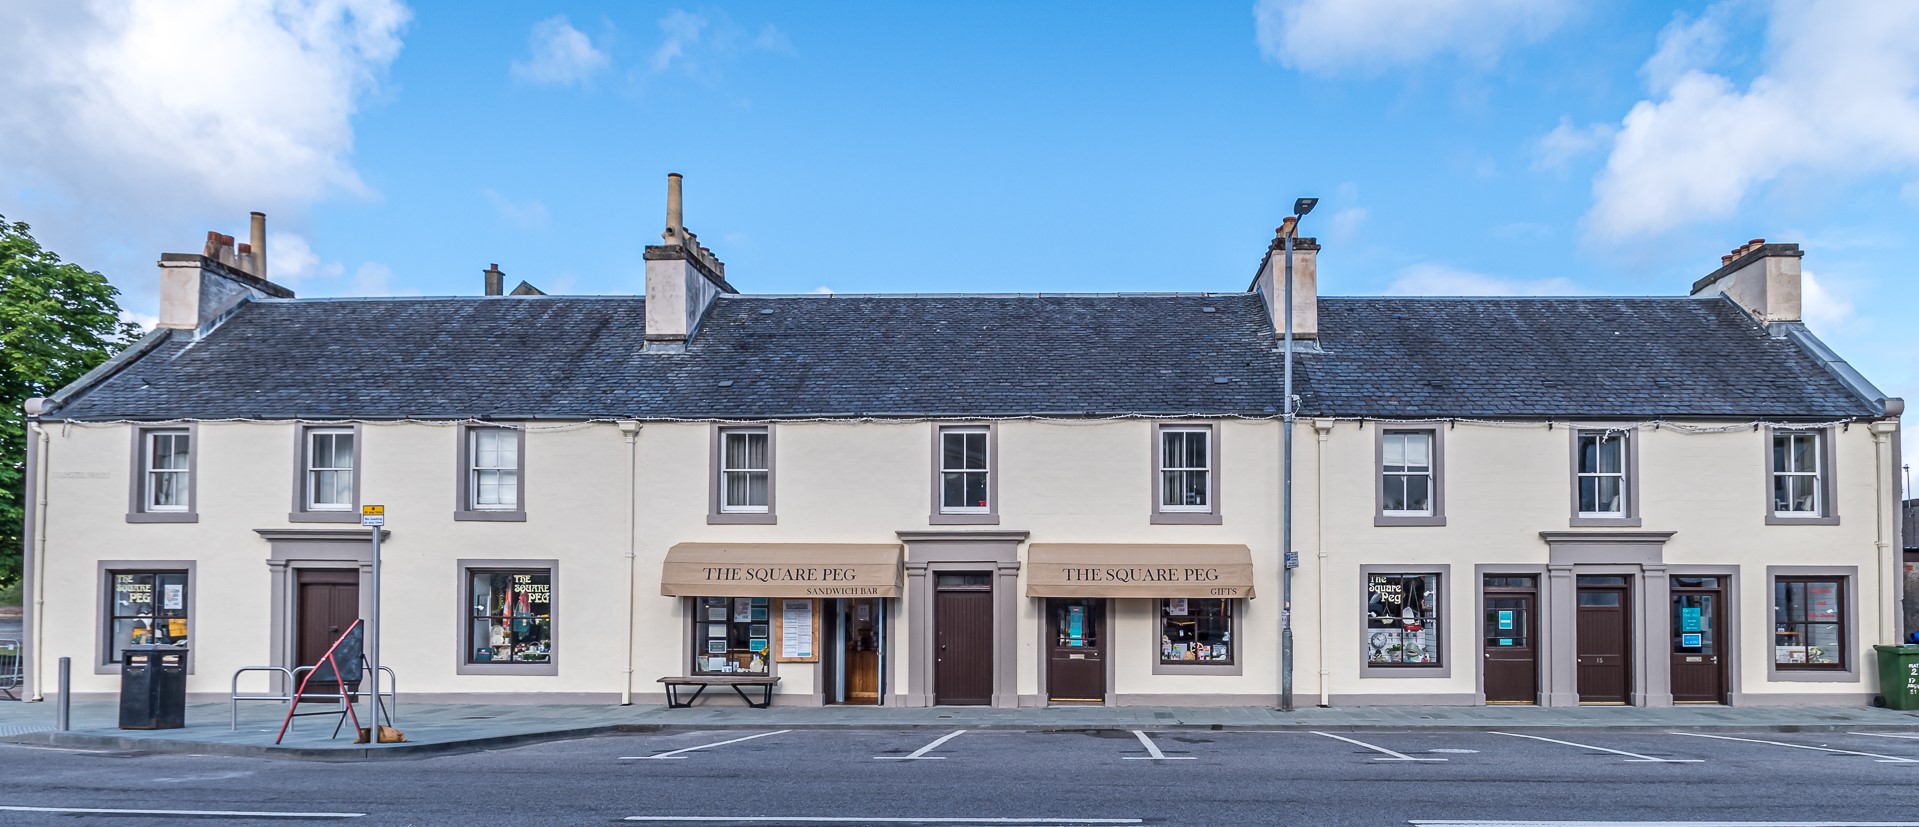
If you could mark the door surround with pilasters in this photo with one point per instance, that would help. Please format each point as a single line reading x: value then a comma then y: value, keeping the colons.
x: 928, y: 552
x: 293, y: 549
x: 1640, y: 557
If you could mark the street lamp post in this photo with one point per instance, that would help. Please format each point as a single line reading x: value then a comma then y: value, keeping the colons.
x: 1289, y: 559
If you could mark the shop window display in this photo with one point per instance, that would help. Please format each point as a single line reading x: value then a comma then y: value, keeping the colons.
x: 1808, y: 623
x: 1402, y: 619
x: 512, y: 617
x: 148, y: 607
x: 731, y: 635
x: 1195, y: 631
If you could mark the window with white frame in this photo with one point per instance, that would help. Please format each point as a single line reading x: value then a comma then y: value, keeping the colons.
x: 493, y: 469
x: 1406, y: 473
x: 166, y: 471
x: 745, y: 471
x: 1185, y: 468
x: 1795, y: 474
x: 1602, y: 474
x: 965, y: 465
x: 329, y: 469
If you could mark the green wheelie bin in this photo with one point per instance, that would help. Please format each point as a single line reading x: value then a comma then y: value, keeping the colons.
x: 1899, y: 675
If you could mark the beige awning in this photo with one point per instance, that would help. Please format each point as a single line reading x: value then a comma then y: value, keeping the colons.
x: 1087, y: 570
x: 781, y: 570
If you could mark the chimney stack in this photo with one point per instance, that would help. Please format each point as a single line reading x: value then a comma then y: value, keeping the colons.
x: 682, y: 279
x: 495, y: 281
x: 198, y: 290
x: 1762, y: 278
x: 258, y: 242
x: 1270, y: 284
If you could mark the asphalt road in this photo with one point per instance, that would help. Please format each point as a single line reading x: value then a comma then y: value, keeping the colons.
x: 1037, y: 779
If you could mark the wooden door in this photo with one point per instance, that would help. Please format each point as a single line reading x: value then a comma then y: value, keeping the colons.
x: 328, y: 602
x: 1076, y: 650
x: 1698, y: 660
x: 1604, y: 634
x: 963, y: 639
x: 853, y: 671
x: 1509, y: 640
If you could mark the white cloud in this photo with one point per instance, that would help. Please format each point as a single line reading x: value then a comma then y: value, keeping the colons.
x: 1821, y: 305
x: 527, y: 215
x: 376, y: 279
x: 1557, y: 148
x: 1346, y: 223
x: 1837, y: 99
x: 683, y: 31
x: 822, y: 290
x: 560, y: 55
x: 699, y: 45
x: 1370, y: 36
x: 146, y: 321
x: 1440, y: 280
x: 1686, y: 45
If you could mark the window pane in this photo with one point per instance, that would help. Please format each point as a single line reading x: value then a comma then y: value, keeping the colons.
x: 1803, y: 458
x: 976, y: 451
x: 952, y: 490
x: 1394, y: 497
x: 170, y: 451
x: 145, y: 608
x: 1196, y: 631
x: 1393, y: 452
x: 1609, y: 454
x: 512, y: 617
x: 731, y: 635
x: 1779, y: 443
x: 952, y: 451
x: 1418, y: 495
x: 1507, y: 622
x: 1608, y: 491
x: 168, y: 488
x: 1419, y: 452
x: 975, y: 496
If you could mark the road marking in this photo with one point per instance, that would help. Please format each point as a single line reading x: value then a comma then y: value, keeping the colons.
x: 1455, y: 751
x: 1424, y: 823
x: 676, y: 753
x: 921, y: 753
x: 1883, y: 759
x: 1885, y: 735
x: 854, y: 820
x: 1631, y: 756
x: 1395, y: 756
x: 1152, y: 751
x: 220, y: 813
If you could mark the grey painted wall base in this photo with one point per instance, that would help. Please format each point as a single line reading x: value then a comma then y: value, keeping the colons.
x: 1394, y: 699
x: 1268, y: 701
x: 1805, y: 699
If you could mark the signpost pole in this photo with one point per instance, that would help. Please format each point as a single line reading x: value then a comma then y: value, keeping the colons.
x: 373, y: 516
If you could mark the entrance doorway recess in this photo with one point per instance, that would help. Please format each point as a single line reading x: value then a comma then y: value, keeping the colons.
x: 855, y: 636
x: 1604, y: 632
x: 1698, y: 645
x: 1076, y: 650
x: 963, y: 638
x: 327, y: 602
x: 1510, y: 638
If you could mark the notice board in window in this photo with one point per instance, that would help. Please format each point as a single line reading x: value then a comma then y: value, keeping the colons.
x: 799, y: 630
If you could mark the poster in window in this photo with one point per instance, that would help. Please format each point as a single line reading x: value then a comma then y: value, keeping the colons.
x: 756, y: 630
x: 798, y: 629
x: 742, y: 610
x: 174, y: 596
x: 759, y: 614
x: 1176, y: 606
x: 1692, y: 640
x: 1689, y: 620
x: 716, y: 647
x: 716, y: 614
x: 716, y: 631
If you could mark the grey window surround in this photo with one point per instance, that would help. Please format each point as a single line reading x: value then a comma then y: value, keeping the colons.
x: 104, y: 591
x: 1828, y: 478
x: 1442, y: 669
x: 1380, y: 517
x: 1629, y: 461
x: 1214, y: 490
x: 301, y: 455
x: 137, y: 486
x: 463, y: 509
x: 715, y: 479
x: 1234, y: 669
x: 1848, y: 671
x: 938, y: 516
x: 463, y: 617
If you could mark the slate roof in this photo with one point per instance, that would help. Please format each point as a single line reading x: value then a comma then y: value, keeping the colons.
x: 1561, y: 357
x: 795, y: 356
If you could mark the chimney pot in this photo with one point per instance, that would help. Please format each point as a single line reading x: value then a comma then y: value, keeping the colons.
x: 675, y: 219
x: 258, y: 231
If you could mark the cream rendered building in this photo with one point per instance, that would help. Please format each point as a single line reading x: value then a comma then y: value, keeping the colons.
x: 1006, y: 500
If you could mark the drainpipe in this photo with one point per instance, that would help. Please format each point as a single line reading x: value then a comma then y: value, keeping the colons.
x: 35, y: 560
x: 632, y: 431
x: 1321, y: 429
x: 1888, y: 600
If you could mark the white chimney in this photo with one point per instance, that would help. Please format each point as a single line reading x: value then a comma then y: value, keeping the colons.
x: 1762, y: 278
x: 682, y: 279
x: 1270, y: 284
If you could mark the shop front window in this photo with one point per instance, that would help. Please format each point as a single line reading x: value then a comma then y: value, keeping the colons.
x: 731, y: 635
x: 1809, y: 617
x: 147, y: 608
x: 512, y: 618
x: 1195, y: 631
x: 1402, y: 619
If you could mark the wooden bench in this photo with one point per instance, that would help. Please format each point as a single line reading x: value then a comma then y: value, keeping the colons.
x: 739, y: 683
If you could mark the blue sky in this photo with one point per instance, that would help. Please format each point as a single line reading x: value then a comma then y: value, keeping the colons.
x: 1457, y: 146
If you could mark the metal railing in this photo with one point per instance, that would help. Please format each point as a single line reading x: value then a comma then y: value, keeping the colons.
x: 390, y: 691
x: 12, y: 668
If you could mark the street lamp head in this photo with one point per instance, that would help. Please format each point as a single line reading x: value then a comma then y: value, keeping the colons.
x: 1304, y: 205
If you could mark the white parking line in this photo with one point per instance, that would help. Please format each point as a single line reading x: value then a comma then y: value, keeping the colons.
x: 855, y: 820
x: 1631, y: 756
x: 1885, y: 735
x: 1883, y: 759
x: 921, y: 753
x: 1152, y: 751
x: 1428, y: 823
x: 676, y: 753
x: 1395, y: 756
x: 167, y: 813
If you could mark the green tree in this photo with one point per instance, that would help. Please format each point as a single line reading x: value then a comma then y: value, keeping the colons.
x: 57, y: 321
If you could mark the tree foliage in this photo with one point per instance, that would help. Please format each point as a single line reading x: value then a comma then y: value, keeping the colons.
x: 57, y: 321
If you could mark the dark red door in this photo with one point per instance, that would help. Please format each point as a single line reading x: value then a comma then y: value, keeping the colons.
x: 1076, y: 650
x: 328, y: 602
x: 1605, y: 634
x: 963, y: 639
x: 1508, y: 640
x: 1698, y: 661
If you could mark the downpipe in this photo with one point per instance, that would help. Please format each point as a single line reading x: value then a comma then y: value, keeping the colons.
x: 1321, y: 429
x: 631, y: 430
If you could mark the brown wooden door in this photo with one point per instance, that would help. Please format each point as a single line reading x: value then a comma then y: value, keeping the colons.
x: 852, y: 671
x: 1076, y: 650
x: 1509, y: 639
x: 1605, y: 634
x: 1698, y: 659
x: 963, y: 640
x: 328, y: 602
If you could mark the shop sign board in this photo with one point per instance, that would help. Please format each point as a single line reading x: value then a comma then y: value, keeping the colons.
x: 1689, y: 619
